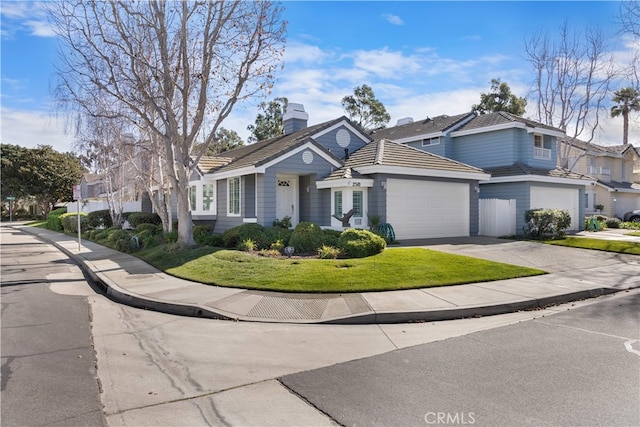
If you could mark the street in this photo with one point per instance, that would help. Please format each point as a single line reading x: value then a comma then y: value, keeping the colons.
x: 575, y: 364
x: 48, y: 363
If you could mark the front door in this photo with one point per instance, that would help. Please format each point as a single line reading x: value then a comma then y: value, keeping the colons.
x: 287, y: 198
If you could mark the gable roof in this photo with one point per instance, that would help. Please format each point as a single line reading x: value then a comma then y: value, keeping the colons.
x: 262, y: 152
x: 502, y: 118
x: 377, y: 155
x: 438, y: 124
x: 618, y: 150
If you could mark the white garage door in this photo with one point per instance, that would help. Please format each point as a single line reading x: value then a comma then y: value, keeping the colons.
x: 626, y: 203
x: 557, y: 198
x: 424, y: 209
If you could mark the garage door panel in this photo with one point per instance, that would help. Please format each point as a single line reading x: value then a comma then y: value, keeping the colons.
x: 557, y: 198
x: 425, y: 209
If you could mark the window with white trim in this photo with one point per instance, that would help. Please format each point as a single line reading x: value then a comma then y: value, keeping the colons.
x: 431, y: 141
x: 233, y: 192
x: 337, y: 203
x: 208, y: 201
x: 357, y: 204
x: 192, y: 198
x: 539, y: 152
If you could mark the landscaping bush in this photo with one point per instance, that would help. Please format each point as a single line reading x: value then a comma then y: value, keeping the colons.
x: 203, y: 235
x: 54, y: 222
x: 307, y: 238
x: 630, y: 225
x: 354, y: 243
x: 247, y: 245
x: 594, y: 223
x: 278, y: 234
x: 613, y: 222
x: 150, y: 238
x: 330, y: 237
x: 284, y: 223
x: 70, y: 222
x: 148, y: 227
x: 99, y: 219
x: 544, y: 223
x: 137, y: 218
x: 328, y: 252
x: 233, y: 237
x: 172, y: 236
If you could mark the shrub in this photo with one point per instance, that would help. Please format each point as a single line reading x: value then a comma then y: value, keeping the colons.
x: 354, y: 243
x: 284, y: 223
x: 630, y: 225
x: 541, y: 223
x: 172, y: 236
x: 306, y: 238
x: 54, y: 222
x: 137, y: 218
x: 99, y: 219
x: 201, y: 233
x: 149, y: 238
x: 328, y: 252
x: 70, y: 222
x: 233, y: 237
x: 330, y: 237
x: 613, y: 222
x: 270, y: 253
x: 148, y: 227
x: 247, y: 245
x: 277, y: 234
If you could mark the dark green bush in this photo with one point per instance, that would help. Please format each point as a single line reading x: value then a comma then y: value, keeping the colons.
x: 97, y: 219
x: 275, y: 234
x: 150, y: 238
x: 355, y: 243
x: 172, y: 236
x: 257, y: 233
x: 543, y: 223
x: 54, y: 222
x: 613, y: 222
x: 137, y: 218
x: 330, y: 237
x: 156, y: 229
x: 201, y: 233
x: 70, y: 222
x: 307, y: 238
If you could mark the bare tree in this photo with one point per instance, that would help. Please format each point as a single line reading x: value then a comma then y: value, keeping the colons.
x: 629, y: 17
x: 174, y: 68
x: 573, y: 74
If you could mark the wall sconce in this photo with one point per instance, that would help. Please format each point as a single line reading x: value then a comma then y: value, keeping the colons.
x: 383, y: 184
x: 477, y: 188
x: 308, y: 189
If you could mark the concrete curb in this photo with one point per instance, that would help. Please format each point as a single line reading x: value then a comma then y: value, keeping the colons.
x: 123, y: 296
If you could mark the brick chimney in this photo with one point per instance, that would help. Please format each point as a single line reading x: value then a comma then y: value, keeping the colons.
x: 295, y: 118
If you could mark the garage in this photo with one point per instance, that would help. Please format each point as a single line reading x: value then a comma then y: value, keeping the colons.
x: 625, y: 202
x: 557, y: 198
x: 427, y: 209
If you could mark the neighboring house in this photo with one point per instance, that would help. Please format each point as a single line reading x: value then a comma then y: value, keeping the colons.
x: 519, y: 154
x: 615, y: 168
x: 92, y: 186
x: 322, y: 172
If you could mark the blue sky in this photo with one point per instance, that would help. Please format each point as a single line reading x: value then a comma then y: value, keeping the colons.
x: 421, y: 59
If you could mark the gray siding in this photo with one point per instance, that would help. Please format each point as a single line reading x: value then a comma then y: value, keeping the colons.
x: 487, y: 149
x: 438, y: 149
x: 223, y: 221
x: 329, y: 141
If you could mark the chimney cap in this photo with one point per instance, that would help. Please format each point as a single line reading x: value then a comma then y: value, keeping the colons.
x: 404, y: 121
x: 295, y: 111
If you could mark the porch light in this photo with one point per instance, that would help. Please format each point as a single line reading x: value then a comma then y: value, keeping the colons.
x: 289, y: 250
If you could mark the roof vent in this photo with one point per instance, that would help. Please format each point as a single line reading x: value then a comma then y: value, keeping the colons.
x: 404, y: 121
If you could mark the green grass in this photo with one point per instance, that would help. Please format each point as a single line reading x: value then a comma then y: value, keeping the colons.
x: 635, y: 234
x: 397, y: 268
x: 599, y: 244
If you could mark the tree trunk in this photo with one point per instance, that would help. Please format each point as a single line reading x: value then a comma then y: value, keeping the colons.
x: 625, y: 127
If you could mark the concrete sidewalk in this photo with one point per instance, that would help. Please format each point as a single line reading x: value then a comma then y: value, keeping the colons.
x: 573, y: 274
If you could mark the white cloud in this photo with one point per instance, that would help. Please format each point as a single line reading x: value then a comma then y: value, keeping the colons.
x: 304, y: 53
x: 33, y: 128
x: 27, y: 16
x: 40, y: 28
x: 393, y: 19
x: 385, y: 63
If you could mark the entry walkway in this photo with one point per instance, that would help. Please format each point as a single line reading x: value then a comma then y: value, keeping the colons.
x: 573, y: 274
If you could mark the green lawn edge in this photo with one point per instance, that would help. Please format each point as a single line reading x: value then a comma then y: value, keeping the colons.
x: 393, y: 269
x: 617, y: 246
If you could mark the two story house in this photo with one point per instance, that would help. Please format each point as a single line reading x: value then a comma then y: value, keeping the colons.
x: 334, y: 173
x: 616, y: 171
x: 519, y: 154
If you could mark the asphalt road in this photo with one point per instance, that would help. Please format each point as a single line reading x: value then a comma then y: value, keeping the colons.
x: 48, y: 362
x: 577, y: 368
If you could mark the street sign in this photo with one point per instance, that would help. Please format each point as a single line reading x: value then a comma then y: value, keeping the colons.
x: 11, y: 197
x: 76, y: 192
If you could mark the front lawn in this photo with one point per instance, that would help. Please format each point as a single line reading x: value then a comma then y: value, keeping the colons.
x: 393, y: 269
x: 618, y: 246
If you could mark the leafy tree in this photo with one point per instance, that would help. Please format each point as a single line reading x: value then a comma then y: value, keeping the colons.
x: 627, y: 100
x: 500, y: 99
x: 174, y: 68
x: 364, y: 109
x: 269, y: 124
x: 225, y: 140
x: 41, y: 172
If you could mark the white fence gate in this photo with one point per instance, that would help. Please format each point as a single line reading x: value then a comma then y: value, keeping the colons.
x: 497, y: 217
